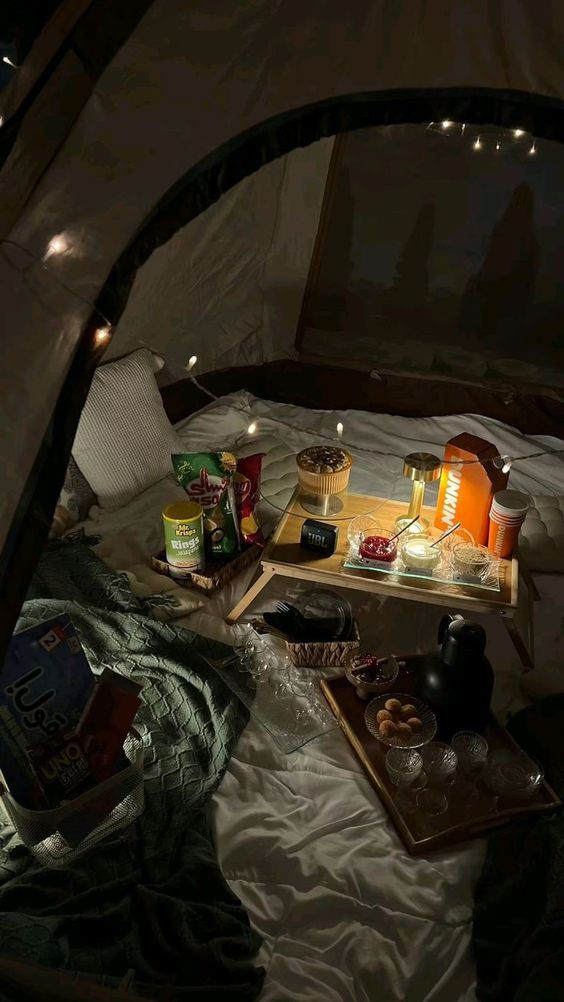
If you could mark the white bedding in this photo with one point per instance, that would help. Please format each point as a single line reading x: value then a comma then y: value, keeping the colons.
x: 345, y: 913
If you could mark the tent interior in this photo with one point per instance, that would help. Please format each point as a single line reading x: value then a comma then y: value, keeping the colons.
x: 326, y: 248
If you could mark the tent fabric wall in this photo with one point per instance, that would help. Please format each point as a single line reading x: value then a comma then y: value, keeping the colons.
x: 201, y: 95
x: 228, y: 286
x: 440, y: 258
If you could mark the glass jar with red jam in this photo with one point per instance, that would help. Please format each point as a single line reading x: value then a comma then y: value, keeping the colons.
x: 380, y: 548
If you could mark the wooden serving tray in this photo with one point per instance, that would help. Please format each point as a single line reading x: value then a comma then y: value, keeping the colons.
x: 418, y: 833
x: 215, y: 575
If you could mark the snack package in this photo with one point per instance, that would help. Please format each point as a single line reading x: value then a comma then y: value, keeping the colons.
x: 246, y: 482
x: 62, y: 768
x: 207, y: 478
x: 46, y: 681
x: 106, y: 720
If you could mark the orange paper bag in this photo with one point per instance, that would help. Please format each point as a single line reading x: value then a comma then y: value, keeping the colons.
x: 466, y: 490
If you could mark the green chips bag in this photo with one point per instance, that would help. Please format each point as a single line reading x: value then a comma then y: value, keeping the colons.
x: 207, y: 477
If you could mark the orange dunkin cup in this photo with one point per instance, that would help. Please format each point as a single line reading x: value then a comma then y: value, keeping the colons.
x: 502, y: 539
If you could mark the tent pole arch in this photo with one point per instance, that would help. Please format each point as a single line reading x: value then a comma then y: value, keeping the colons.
x: 241, y: 156
x: 188, y: 197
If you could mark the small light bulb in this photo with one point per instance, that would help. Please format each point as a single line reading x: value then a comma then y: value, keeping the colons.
x: 446, y: 124
x: 477, y: 144
x: 191, y: 362
x: 1, y: 121
x: 518, y: 132
x: 340, y: 429
x: 533, y: 150
x: 463, y: 128
x: 252, y: 428
x: 6, y: 59
x: 57, y: 245
x: 498, y: 146
x: 102, y: 334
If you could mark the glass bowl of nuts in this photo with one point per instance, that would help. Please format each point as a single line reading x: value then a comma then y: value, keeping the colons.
x: 400, y: 721
x: 370, y: 675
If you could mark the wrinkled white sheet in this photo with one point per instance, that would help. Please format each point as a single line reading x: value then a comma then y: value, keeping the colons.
x: 303, y: 839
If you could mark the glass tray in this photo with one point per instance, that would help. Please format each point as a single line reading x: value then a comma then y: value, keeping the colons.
x: 286, y: 700
x: 443, y: 574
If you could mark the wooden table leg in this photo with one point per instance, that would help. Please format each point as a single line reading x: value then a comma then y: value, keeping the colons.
x: 526, y: 657
x: 532, y: 597
x: 249, y: 596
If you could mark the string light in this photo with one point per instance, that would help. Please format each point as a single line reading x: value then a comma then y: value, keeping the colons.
x: 71, y: 292
x: 503, y: 463
x: 6, y: 59
x: 497, y: 461
x: 1, y: 121
x: 340, y: 429
x: 500, y: 137
x: 57, y: 245
x: 191, y: 362
x: 101, y: 335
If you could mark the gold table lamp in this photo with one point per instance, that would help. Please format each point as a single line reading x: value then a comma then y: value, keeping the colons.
x: 421, y: 468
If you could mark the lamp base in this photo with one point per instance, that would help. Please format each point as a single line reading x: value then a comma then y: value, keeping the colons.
x: 321, y: 504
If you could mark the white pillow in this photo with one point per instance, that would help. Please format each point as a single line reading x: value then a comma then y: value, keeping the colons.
x: 124, y: 439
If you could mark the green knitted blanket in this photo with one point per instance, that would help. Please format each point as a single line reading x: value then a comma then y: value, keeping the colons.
x: 151, y: 898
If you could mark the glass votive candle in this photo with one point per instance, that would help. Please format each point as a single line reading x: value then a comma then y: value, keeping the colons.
x: 432, y: 802
x: 439, y: 762
x: 361, y: 526
x: 403, y: 765
x: 471, y: 749
x: 418, y: 554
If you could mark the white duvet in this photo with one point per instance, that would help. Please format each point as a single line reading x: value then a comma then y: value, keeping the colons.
x: 345, y: 912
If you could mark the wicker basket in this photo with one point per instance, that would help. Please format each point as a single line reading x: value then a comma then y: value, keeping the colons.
x: 331, y: 654
x: 59, y: 835
x: 215, y: 575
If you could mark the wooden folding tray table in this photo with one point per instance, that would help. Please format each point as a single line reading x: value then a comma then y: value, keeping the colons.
x: 284, y: 556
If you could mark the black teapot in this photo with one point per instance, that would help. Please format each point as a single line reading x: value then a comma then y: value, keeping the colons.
x: 456, y: 682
